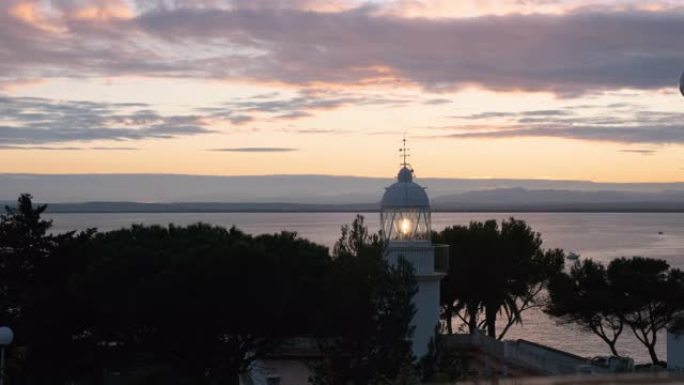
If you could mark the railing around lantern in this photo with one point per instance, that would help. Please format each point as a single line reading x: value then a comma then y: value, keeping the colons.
x: 441, y: 258
x: 425, y: 258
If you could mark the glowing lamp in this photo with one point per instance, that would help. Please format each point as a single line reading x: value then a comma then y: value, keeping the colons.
x: 405, y: 210
x: 405, y: 226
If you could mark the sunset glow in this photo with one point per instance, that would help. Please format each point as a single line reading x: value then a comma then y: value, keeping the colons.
x: 481, y: 89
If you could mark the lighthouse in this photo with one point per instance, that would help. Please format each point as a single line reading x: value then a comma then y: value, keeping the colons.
x: 405, y: 218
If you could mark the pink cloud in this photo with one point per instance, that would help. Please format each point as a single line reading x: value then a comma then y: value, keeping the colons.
x: 566, y: 54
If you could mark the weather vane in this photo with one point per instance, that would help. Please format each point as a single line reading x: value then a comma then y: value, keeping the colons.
x: 404, y: 152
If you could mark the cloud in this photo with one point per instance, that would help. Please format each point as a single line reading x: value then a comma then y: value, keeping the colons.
x: 36, y: 121
x: 255, y: 149
x: 27, y: 122
x: 66, y: 148
x: 585, y: 50
x: 436, y: 101
x: 634, y: 124
x: 472, y: 8
x: 293, y: 115
x: 666, y: 134
x: 314, y: 99
x: 532, y: 114
x: 639, y: 151
x: 240, y: 119
x: 316, y: 131
x: 302, y: 104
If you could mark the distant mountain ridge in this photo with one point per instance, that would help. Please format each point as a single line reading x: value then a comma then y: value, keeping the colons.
x: 515, y: 196
x: 516, y: 199
x: 322, y: 190
x: 218, y: 207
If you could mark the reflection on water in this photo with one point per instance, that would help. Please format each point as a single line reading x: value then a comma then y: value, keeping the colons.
x: 601, y: 236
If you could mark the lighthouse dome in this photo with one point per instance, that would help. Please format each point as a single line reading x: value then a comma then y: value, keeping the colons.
x: 405, y: 193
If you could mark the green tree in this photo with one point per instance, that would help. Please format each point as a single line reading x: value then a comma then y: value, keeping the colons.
x: 462, y: 287
x: 443, y: 363
x: 366, y: 325
x: 202, y: 301
x: 585, y: 297
x: 303, y: 266
x: 644, y: 294
x: 654, y: 293
x: 24, y: 245
x: 494, y: 271
x: 35, y: 296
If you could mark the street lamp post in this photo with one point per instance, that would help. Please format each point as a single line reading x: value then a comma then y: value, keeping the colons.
x: 6, y: 337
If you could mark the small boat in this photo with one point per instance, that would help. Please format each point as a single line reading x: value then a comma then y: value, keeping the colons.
x: 660, y: 233
x: 572, y: 256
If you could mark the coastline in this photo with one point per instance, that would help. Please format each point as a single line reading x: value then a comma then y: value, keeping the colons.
x: 278, y: 207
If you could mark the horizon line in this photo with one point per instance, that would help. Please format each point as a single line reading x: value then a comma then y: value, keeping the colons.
x: 333, y: 176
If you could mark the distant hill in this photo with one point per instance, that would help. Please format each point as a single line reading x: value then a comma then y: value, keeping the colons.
x: 486, y: 200
x: 203, y: 207
x: 309, y: 189
x: 561, y: 200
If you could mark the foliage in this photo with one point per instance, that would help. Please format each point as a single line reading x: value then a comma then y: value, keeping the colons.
x: 357, y: 242
x: 644, y: 294
x: 36, y: 300
x: 586, y: 298
x: 24, y: 246
x: 654, y: 293
x: 443, y: 363
x: 494, y: 271
x: 201, y: 299
x: 367, y: 321
x: 201, y: 302
x: 196, y: 304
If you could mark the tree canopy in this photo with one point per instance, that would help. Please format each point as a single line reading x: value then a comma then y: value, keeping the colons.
x: 195, y: 304
x: 367, y: 315
x: 644, y: 294
x: 202, y: 299
x: 654, y: 293
x: 494, y: 270
x: 586, y: 298
x: 36, y: 296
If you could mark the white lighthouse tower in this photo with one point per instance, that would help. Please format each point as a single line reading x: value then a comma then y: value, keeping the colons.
x: 405, y: 219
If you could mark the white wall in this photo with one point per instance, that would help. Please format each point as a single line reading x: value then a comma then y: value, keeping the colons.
x: 543, y: 358
x: 675, y: 351
x: 427, y: 313
x: 422, y: 256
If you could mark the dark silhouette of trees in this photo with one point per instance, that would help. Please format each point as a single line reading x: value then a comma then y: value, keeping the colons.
x: 24, y: 245
x: 36, y: 300
x: 643, y: 294
x: 367, y: 318
x: 654, y: 293
x: 462, y: 288
x: 202, y: 300
x: 586, y: 298
x: 443, y: 363
x: 196, y: 304
x: 494, y: 271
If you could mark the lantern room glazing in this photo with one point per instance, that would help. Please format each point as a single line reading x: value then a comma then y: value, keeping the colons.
x: 405, y: 210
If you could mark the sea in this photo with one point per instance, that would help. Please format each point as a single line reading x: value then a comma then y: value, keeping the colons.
x: 599, y: 236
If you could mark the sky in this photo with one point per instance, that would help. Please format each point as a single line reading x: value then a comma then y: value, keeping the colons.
x: 535, y: 89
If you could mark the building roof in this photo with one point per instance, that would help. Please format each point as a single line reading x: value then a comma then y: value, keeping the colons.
x: 405, y: 193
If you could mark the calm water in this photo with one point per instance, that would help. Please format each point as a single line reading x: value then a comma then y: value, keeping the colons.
x: 601, y: 236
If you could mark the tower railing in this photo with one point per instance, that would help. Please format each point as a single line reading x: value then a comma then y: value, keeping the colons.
x: 424, y: 257
x: 441, y: 258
